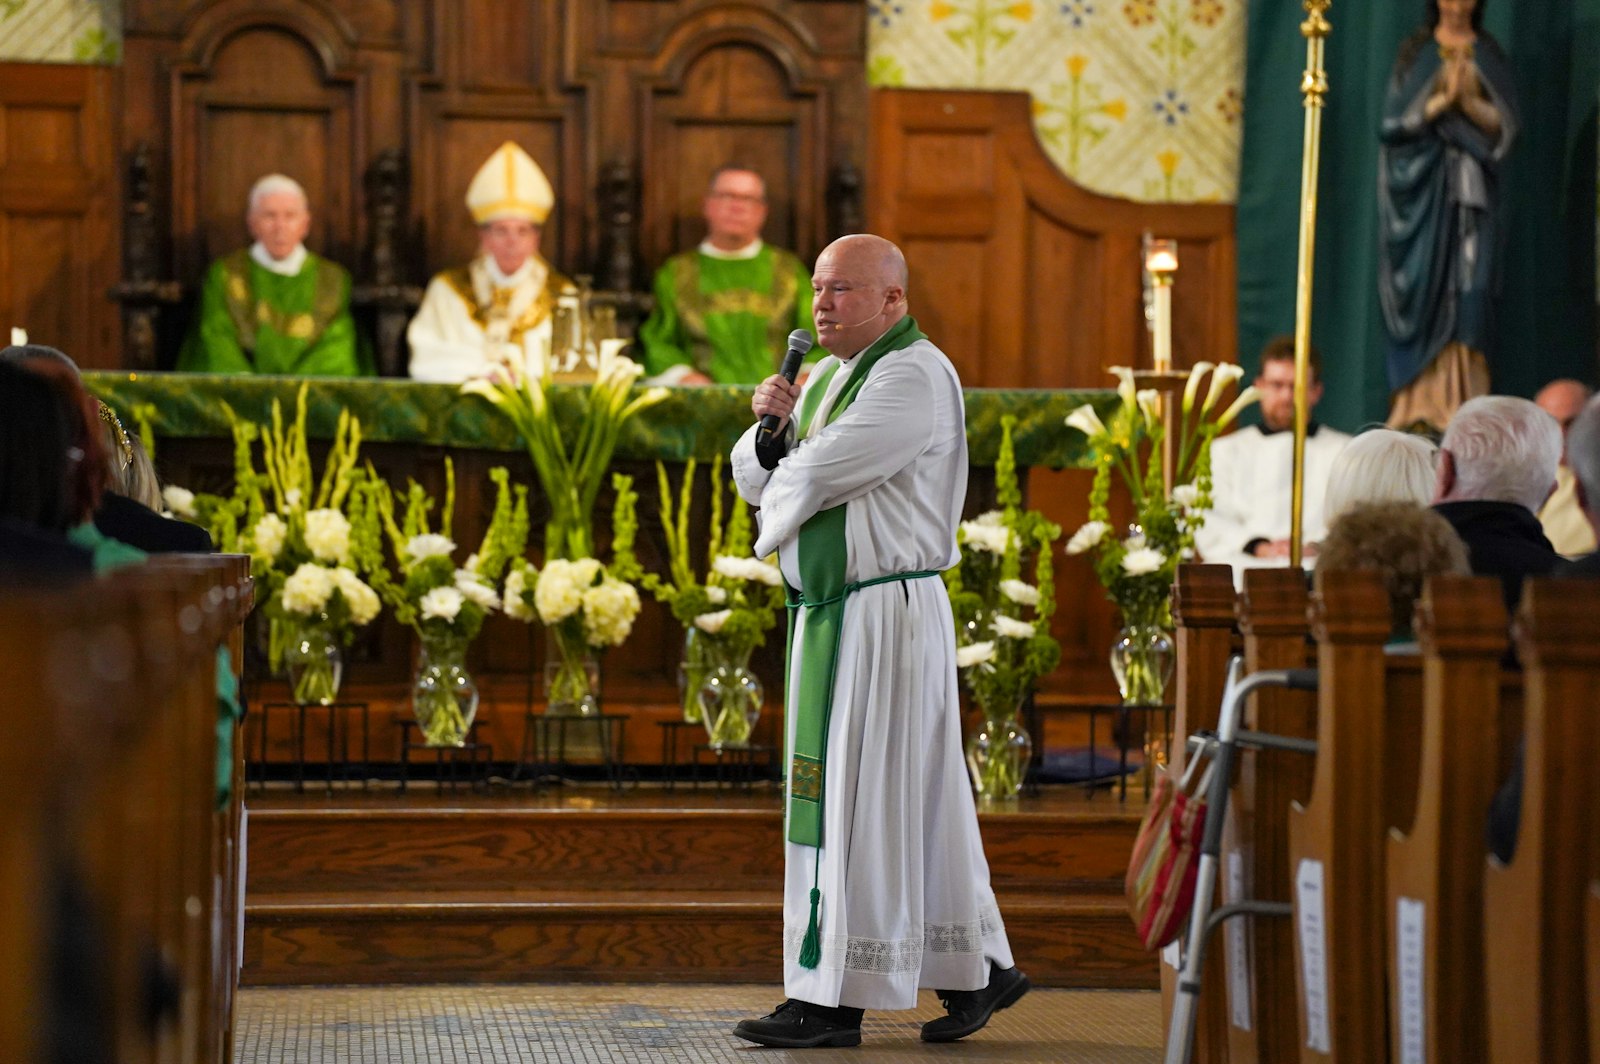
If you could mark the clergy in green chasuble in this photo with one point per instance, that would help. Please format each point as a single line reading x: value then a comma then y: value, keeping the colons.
x: 276, y: 307
x: 724, y: 311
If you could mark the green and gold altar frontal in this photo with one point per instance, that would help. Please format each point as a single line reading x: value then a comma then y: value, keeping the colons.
x: 695, y: 423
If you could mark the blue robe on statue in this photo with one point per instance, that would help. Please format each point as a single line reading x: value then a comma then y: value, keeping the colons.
x: 1438, y: 195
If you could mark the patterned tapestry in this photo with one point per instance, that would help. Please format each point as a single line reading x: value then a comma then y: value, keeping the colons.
x: 1133, y: 98
x: 61, y: 31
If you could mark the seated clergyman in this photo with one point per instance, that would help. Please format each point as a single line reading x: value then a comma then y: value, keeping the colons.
x: 276, y: 307
x: 495, y: 311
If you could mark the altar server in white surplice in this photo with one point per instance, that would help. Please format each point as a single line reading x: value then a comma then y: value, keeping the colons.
x: 886, y: 885
x: 497, y: 309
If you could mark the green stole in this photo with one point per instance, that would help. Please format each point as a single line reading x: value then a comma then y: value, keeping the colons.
x: 818, y: 610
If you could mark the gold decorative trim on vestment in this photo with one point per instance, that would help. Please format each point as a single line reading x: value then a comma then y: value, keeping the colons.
x: 250, y: 314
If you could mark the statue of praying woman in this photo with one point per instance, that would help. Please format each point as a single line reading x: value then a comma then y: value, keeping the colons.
x: 1449, y: 118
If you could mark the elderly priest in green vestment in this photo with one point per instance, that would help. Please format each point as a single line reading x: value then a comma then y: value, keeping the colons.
x: 276, y: 307
x: 724, y: 311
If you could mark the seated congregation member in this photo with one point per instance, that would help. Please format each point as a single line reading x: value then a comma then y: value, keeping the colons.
x: 1377, y: 466
x: 36, y: 469
x: 1497, y: 466
x: 275, y: 307
x: 1404, y: 542
x: 724, y: 311
x: 128, y: 506
x: 1253, y: 472
x: 886, y: 883
x: 1562, y: 517
x: 497, y: 309
x: 1583, y: 455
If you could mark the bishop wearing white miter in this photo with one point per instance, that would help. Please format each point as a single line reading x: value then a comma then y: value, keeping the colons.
x: 495, y: 312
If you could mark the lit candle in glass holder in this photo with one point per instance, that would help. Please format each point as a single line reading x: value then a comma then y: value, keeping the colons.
x: 1161, y: 263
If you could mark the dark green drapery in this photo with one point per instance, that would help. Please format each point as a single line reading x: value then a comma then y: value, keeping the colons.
x: 1546, y: 314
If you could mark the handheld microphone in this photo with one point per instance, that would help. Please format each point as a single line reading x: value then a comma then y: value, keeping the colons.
x: 799, y: 344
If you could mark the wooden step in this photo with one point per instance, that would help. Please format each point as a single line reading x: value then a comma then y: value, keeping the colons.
x: 352, y: 845
x: 626, y: 936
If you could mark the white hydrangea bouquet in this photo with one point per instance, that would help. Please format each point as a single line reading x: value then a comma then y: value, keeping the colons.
x: 584, y: 608
x: 299, y: 536
x: 1137, y: 567
x: 444, y: 603
x: 726, y: 613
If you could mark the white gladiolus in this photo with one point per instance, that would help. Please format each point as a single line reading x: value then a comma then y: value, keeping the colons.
x: 307, y: 589
x: 974, y: 654
x: 1225, y: 374
x: 442, y: 602
x: 716, y: 595
x: 1020, y: 593
x: 1087, y: 537
x: 1011, y: 628
x: 755, y: 569
x: 1246, y: 398
x: 712, y: 622
x: 268, y: 536
x: 985, y: 537
x: 362, y: 600
x: 429, y: 545
x: 1086, y: 421
x: 608, y: 612
x: 1142, y: 561
x: 328, y: 536
x: 1186, y: 495
x: 1200, y: 370
x: 515, y: 595
x: 179, y: 500
x: 475, y: 590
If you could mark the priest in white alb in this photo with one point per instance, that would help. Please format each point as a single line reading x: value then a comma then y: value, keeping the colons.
x: 860, y: 492
x: 1252, y: 473
x: 495, y: 312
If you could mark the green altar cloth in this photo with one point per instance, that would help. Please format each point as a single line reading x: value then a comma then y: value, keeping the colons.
x: 698, y: 423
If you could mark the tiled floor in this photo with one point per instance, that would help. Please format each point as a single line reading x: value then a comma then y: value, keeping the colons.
x: 570, y: 1024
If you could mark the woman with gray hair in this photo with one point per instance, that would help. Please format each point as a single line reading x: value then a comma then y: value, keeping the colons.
x: 1378, y: 466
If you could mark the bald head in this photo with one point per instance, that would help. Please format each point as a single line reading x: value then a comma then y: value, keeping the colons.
x: 1563, y: 399
x: 858, y: 292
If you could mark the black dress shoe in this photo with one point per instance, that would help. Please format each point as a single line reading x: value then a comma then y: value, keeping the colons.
x: 969, y: 1010
x: 802, y: 1025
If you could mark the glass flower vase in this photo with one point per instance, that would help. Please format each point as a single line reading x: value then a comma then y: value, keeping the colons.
x: 730, y: 696
x: 571, y: 676
x: 314, y: 663
x: 692, y: 673
x: 443, y: 695
x: 998, y: 754
x: 1142, y: 659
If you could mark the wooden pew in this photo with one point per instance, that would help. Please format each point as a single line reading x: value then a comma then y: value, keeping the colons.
x: 1203, y: 610
x: 118, y: 796
x: 1434, y: 866
x: 1534, y: 906
x: 1335, y: 837
x: 1258, y: 951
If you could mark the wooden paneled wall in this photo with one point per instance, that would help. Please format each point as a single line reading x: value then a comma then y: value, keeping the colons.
x: 58, y: 234
x: 230, y: 89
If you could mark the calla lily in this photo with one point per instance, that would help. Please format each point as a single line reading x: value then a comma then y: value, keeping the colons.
x: 1189, y: 390
x: 1125, y: 385
x: 1221, y: 376
x: 484, y: 387
x: 1150, y: 403
x: 1086, y: 421
x: 1246, y: 397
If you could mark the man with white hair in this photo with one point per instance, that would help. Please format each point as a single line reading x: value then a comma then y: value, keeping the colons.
x: 496, y: 311
x: 1497, y: 466
x: 1563, y: 518
x: 276, y: 307
x: 1583, y: 457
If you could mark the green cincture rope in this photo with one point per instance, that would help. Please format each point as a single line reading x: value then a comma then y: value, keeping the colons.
x: 811, y: 945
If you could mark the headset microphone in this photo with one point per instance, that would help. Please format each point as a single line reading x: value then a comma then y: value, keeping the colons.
x: 799, y: 344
